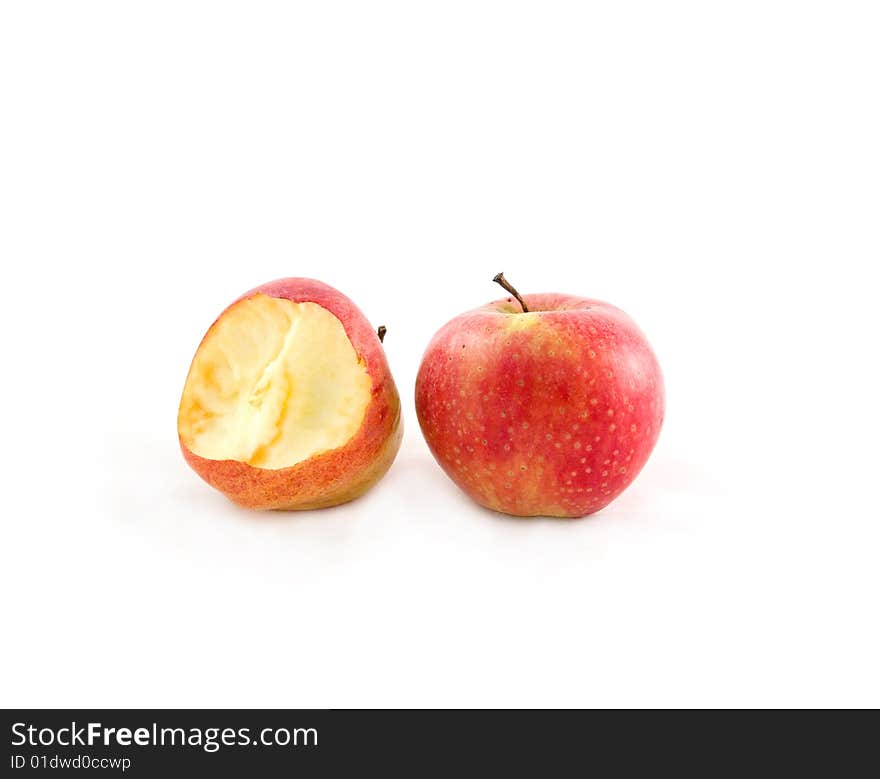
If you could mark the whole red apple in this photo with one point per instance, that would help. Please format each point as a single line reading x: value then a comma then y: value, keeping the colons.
x: 541, y: 405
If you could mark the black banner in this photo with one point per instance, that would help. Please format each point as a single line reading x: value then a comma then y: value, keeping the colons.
x: 152, y: 743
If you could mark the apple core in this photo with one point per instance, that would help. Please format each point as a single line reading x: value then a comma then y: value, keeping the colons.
x: 273, y: 383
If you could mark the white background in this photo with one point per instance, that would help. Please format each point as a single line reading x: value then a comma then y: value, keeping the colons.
x: 712, y: 168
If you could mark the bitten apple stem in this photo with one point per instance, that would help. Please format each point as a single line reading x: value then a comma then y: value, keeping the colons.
x: 381, y: 333
x: 499, y: 279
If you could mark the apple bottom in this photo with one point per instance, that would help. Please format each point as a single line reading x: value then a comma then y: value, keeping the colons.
x: 563, y: 501
x: 325, y: 480
x: 557, y: 459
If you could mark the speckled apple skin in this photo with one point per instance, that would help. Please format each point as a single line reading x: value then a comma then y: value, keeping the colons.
x: 551, y: 413
x: 331, y: 477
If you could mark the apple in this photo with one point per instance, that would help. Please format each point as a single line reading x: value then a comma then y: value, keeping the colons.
x: 541, y: 405
x: 289, y: 402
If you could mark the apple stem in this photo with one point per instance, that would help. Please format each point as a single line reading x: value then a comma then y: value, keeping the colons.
x: 499, y: 279
x: 381, y: 333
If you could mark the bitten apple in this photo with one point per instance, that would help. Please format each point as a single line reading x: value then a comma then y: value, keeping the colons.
x: 545, y: 404
x: 289, y: 402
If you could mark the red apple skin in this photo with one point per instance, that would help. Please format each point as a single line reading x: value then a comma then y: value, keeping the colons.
x: 332, y: 477
x: 550, y: 413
